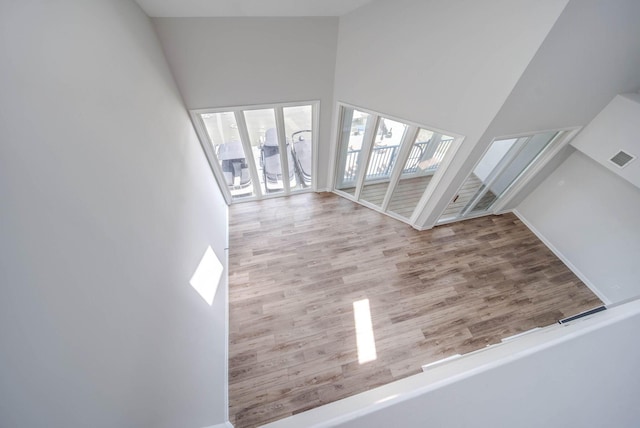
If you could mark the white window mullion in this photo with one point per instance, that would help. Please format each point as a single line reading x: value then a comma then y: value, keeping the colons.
x: 495, y: 173
x: 405, y: 150
x: 315, y: 123
x: 248, y: 152
x: 420, y: 212
x: 207, y: 147
x: 341, y: 145
x: 284, y: 156
x: 365, y: 152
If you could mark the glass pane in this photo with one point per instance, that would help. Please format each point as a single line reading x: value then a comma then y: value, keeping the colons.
x: 501, y: 165
x: 261, y: 127
x: 382, y: 159
x: 222, y: 130
x: 531, y: 148
x: 425, y: 157
x: 474, y: 189
x: 298, y: 123
x: 352, y: 134
x: 523, y: 159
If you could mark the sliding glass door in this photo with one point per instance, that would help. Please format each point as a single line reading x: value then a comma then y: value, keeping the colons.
x: 500, y: 168
x: 387, y: 164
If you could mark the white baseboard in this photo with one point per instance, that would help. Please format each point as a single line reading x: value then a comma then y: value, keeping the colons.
x: 564, y: 259
x: 426, y: 367
x: 223, y: 425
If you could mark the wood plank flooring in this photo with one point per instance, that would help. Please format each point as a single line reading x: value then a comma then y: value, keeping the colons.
x: 298, y: 264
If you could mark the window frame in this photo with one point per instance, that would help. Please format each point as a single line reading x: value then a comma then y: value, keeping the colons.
x: 411, y: 133
x: 238, y: 111
x: 562, y: 138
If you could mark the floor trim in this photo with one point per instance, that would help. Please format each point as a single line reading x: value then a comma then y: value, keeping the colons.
x: 563, y: 258
x: 222, y: 425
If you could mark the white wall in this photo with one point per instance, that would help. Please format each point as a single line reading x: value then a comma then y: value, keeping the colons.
x: 590, y: 215
x: 447, y: 64
x: 615, y: 128
x: 584, y: 374
x: 107, y: 205
x: 591, y: 54
x: 222, y: 62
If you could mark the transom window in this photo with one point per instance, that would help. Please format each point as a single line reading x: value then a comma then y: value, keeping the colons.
x: 260, y: 151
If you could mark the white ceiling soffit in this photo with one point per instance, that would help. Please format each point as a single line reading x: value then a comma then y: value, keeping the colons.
x: 237, y: 8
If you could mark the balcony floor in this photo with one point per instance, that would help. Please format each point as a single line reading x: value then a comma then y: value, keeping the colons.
x: 405, y: 196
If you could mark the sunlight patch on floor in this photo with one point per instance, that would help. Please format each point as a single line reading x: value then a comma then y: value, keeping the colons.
x: 364, y: 331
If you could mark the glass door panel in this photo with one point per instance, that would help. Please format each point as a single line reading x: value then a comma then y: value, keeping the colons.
x: 425, y: 157
x: 352, y: 134
x: 261, y: 150
x: 298, y: 126
x: 485, y: 172
x: 500, y: 167
x: 382, y: 160
x: 529, y: 152
x: 223, y: 134
x: 265, y: 148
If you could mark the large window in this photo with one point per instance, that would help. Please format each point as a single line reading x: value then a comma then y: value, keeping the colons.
x: 388, y: 164
x: 355, y: 124
x: 298, y: 128
x: 260, y: 151
x: 383, y: 158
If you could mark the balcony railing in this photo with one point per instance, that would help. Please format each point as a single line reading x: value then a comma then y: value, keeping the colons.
x: 383, y: 159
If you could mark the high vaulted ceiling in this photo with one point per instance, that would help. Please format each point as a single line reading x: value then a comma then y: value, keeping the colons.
x: 228, y: 8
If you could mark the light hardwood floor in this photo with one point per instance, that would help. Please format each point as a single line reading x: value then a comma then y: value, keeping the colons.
x: 298, y: 264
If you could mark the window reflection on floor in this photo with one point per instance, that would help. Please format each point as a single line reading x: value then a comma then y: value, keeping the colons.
x: 364, y: 332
